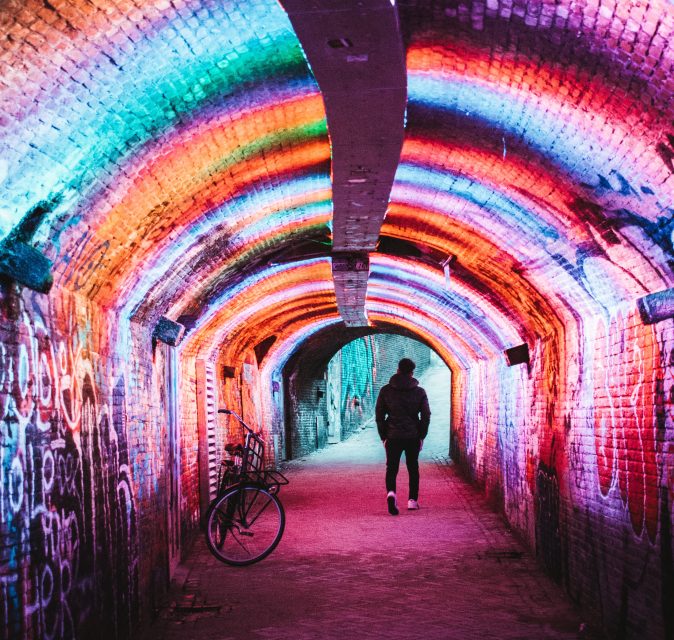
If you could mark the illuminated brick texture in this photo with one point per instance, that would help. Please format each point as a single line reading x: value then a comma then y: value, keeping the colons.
x: 172, y: 159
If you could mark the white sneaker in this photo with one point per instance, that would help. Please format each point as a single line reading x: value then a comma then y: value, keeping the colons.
x: 412, y: 505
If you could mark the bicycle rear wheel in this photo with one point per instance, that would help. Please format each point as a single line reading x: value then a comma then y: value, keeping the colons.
x: 244, y: 525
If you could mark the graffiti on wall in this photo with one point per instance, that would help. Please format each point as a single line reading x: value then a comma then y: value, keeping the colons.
x: 333, y: 400
x: 629, y: 416
x: 67, y: 517
x: 477, y: 413
x: 358, y: 375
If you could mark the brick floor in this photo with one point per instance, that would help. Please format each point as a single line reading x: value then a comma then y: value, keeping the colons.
x: 346, y: 569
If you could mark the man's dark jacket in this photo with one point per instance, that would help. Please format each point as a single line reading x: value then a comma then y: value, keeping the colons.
x: 402, y: 410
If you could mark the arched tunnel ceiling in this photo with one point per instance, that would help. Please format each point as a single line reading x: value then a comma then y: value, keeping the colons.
x: 458, y: 324
x: 174, y: 159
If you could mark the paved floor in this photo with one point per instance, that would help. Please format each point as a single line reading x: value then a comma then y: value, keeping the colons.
x: 346, y: 569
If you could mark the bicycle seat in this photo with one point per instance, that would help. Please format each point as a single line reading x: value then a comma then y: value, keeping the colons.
x: 233, y: 448
x: 228, y: 463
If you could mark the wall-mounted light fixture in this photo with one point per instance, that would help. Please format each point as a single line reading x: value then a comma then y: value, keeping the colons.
x: 22, y: 262
x: 517, y: 355
x: 26, y: 265
x: 656, y: 307
x: 168, y: 332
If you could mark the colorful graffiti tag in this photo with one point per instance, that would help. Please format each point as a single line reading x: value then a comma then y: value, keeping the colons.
x: 629, y: 415
x: 67, y: 515
x: 358, y: 375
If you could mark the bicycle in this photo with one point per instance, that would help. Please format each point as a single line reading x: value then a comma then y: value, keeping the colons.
x: 246, y: 520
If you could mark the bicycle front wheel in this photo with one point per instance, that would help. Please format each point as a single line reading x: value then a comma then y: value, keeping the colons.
x: 244, y: 525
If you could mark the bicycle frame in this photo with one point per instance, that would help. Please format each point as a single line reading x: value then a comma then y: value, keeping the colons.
x: 253, y: 449
x: 253, y: 459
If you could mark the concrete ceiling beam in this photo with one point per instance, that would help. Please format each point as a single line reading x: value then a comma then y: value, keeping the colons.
x: 356, y: 53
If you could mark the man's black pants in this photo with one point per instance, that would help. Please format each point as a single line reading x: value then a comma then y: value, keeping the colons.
x: 394, y: 449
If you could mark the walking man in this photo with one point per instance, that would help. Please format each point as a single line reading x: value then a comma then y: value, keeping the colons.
x: 403, y: 415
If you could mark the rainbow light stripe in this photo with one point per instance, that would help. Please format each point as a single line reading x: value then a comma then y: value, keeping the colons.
x: 186, y: 138
x: 240, y: 226
x: 453, y: 79
x: 401, y: 289
x: 240, y: 317
x: 112, y: 104
x: 430, y: 206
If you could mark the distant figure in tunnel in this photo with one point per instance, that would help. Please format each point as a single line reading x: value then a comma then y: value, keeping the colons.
x: 403, y: 416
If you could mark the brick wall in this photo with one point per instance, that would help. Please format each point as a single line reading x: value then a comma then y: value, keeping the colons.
x: 85, y: 469
x: 306, y: 414
x: 189, y: 450
x: 576, y: 449
x: 83, y: 480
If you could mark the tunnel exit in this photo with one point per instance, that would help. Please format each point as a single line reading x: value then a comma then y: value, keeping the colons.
x: 328, y: 403
x: 437, y: 381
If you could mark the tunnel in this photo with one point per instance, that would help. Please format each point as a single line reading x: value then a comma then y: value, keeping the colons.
x: 204, y: 201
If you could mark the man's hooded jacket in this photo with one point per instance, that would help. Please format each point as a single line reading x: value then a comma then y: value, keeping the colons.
x: 402, y: 410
